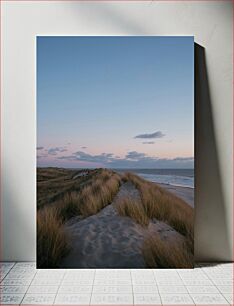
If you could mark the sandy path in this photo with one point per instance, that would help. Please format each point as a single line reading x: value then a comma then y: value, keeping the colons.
x: 107, y: 240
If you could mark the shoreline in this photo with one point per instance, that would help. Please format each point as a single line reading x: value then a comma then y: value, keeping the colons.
x: 185, y: 193
x: 179, y: 186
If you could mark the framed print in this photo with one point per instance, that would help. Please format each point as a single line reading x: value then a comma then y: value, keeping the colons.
x: 115, y: 152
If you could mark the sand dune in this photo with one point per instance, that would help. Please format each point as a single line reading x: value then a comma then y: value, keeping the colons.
x: 100, y: 219
x: 107, y: 240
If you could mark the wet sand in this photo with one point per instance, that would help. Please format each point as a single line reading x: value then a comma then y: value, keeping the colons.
x: 185, y: 193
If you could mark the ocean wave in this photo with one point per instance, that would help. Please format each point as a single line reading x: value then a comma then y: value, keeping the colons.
x: 173, y: 180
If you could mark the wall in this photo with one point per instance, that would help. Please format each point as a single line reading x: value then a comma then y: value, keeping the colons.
x: 211, y: 24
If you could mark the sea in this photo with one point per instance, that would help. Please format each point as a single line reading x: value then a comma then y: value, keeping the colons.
x: 174, y: 177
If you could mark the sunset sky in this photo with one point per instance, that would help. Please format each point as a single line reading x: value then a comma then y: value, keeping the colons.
x: 120, y: 102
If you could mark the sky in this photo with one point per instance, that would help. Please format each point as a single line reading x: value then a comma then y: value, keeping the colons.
x: 115, y: 102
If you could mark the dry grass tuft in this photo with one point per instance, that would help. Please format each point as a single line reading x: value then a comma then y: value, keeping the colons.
x: 160, y: 253
x: 164, y: 206
x: 99, y: 194
x: 52, y: 241
x: 129, y: 207
x: 92, y: 198
x: 68, y: 207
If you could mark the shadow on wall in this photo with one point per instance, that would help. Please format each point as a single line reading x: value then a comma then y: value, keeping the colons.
x: 111, y: 14
x: 211, y: 232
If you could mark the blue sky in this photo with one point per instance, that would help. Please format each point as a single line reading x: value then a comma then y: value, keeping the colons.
x: 115, y: 102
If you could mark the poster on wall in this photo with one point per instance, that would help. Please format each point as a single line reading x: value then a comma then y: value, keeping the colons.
x: 115, y: 152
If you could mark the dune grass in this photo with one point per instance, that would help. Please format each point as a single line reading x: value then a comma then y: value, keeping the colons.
x: 99, y: 194
x: 160, y: 253
x: 164, y: 206
x: 52, y: 240
x: 54, y: 183
x: 129, y: 207
x: 92, y: 198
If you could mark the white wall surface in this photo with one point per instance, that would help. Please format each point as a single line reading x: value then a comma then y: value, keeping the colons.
x: 211, y: 24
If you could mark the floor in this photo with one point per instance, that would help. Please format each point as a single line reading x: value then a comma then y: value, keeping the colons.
x: 207, y: 284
